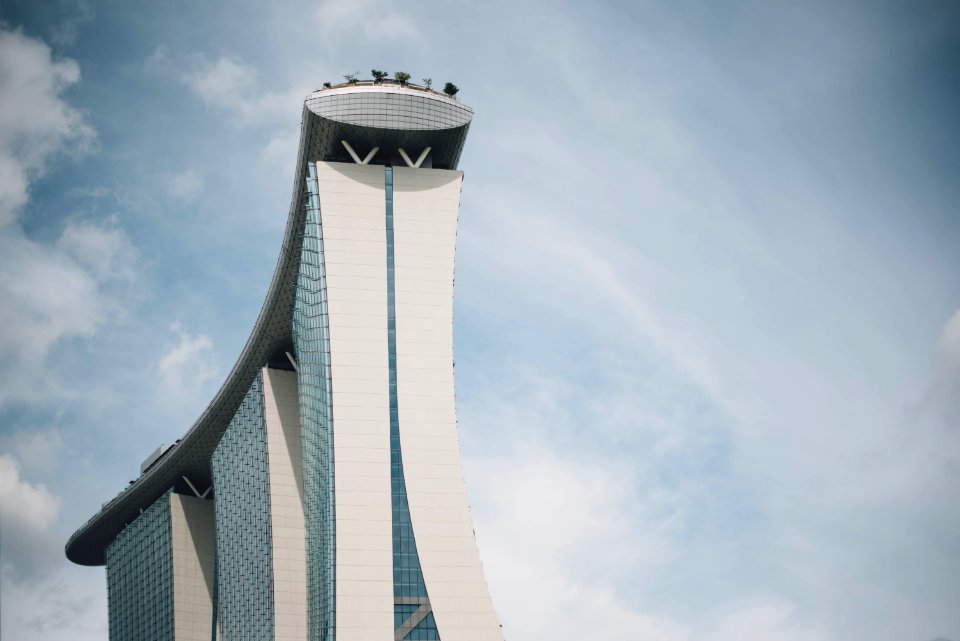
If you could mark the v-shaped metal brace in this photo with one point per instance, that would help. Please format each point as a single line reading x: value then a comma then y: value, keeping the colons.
x: 356, y: 158
x: 410, y: 163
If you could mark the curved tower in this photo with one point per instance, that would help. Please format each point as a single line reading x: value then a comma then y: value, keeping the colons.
x: 320, y: 494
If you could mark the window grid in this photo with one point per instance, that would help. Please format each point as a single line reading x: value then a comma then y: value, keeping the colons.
x: 140, y: 577
x: 311, y: 340
x: 243, y: 528
x: 426, y: 630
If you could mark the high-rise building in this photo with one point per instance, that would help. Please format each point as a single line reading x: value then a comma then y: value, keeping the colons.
x: 320, y: 494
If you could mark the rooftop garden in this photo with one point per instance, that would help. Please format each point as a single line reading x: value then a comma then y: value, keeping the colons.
x: 400, y: 78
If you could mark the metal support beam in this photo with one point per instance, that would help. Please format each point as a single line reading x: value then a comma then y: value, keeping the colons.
x: 356, y: 158
x: 292, y: 361
x: 410, y: 163
x: 195, y: 491
x: 415, y: 617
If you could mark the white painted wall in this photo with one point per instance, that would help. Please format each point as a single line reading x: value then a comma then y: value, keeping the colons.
x: 192, y: 528
x: 352, y: 210
x: 282, y: 416
x: 426, y: 205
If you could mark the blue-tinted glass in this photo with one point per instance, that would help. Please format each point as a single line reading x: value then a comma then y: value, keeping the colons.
x: 426, y: 630
x: 401, y: 612
x: 312, y: 350
x: 243, y: 526
x: 140, y: 577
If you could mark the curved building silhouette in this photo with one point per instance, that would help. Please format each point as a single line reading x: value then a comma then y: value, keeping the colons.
x: 320, y: 494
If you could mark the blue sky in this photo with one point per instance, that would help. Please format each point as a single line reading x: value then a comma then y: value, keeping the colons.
x: 707, y: 310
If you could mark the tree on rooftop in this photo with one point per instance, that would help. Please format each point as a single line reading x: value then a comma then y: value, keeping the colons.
x: 427, y: 82
x: 402, y: 77
x: 351, y: 77
x: 378, y: 75
x: 450, y: 89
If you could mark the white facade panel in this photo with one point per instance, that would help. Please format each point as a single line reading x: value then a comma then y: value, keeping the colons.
x: 352, y: 212
x: 193, y: 541
x: 425, y: 210
x: 281, y: 412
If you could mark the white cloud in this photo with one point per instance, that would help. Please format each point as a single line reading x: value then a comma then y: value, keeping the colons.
x: 557, y: 536
x: 950, y: 340
x: 67, y: 605
x: 561, y: 531
x: 26, y: 513
x: 220, y: 82
x: 30, y: 508
x: 373, y: 20
x: 48, y: 292
x: 66, y: 32
x: 185, y: 185
x: 53, y: 292
x: 575, y: 544
x: 762, y: 618
x: 232, y: 86
x: 280, y: 153
x: 187, y: 366
x: 43, y: 598
x: 35, y: 123
x: 103, y: 249
x: 36, y: 451
x: 942, y: 400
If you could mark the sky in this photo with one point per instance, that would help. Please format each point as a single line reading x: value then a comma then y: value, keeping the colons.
x: 707, y: 303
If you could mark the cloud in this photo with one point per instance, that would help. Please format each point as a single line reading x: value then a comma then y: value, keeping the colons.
x: 564, y: 535
x: 950, y: 340
x: 591, y: 537
x: 220, y: 82
x: 232, y: 86
x: 68, y: 605
x: 65, y: 33
x: 35, y: 123
x: 372, y: 20
x: 184, y: 368
x: 185, y: 185
x: 561, y: 528
x: 280, y: 153
x: 42, y: 597
x: 48, y: 292
x: 772, y: 323
x: 102, y: 249
x: 942, y: 400
x: 54, y: 292
x: 36, y: 451
x: 26, y: 513
x: 762, y: 618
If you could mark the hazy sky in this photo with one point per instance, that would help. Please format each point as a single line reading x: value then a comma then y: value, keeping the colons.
x: 707, y: 299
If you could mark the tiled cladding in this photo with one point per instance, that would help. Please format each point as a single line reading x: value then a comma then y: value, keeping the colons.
x: 243, y: 526
x: 425, y: 205
x: 191, y: 522
x: 388, y: 109
x: 311, y: 341
x: 140, y: 577
x: 407, y: 575
x: 282, y: 417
